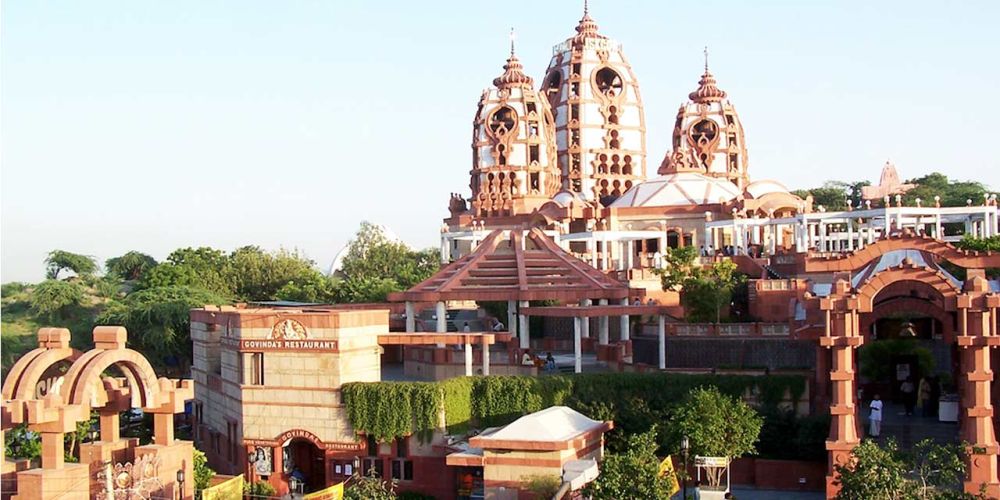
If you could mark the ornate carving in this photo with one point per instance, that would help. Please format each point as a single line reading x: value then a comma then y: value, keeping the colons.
x: 133, y: 480
x: 289, y: 329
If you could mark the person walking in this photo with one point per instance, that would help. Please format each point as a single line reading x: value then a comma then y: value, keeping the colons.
x: 924, y: 396
x: 875, y: 417
x: 909, y: 392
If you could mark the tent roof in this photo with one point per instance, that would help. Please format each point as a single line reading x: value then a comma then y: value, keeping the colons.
x: 517, y: 265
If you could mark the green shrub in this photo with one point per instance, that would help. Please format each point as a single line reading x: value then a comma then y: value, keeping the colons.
x: 259, y: 489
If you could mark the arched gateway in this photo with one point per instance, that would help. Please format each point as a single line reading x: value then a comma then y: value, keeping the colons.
x: 54, y: 387
x: 870, y: 282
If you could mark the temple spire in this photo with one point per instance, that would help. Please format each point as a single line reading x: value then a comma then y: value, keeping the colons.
x: 586, y: 7
x: 512, y: 41
x: 706, y: 59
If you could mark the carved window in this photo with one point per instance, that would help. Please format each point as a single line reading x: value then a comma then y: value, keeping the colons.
x: 574, y: 89
x: 576, y: 185
x: 574, y: 112
x: 503, y: 120
x: 533, y: 153
x: 730, y: 119
x: 530, y: 106
x: 534, y: 182
x: 609, y: 82
x: 733, y: 162
x: 576, y: 68
x: 704, y: 131
x: 553, y: 82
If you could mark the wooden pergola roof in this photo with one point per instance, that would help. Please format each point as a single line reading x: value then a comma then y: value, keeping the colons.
x: 513, y: 265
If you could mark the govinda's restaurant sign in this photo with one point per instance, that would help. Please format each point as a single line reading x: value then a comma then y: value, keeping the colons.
x: 286, y: 335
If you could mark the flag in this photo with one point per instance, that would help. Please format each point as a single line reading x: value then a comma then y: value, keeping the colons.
x: 667, y: 470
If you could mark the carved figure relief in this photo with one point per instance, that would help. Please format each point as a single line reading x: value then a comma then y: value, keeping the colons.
x: 289, y: 329
x: 132, y: 480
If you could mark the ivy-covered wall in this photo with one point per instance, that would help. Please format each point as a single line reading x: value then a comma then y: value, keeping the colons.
x: 634, y: 401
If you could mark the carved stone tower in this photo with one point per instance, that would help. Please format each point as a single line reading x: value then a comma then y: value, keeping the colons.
x: 513, y: 148
x: 600, y: 124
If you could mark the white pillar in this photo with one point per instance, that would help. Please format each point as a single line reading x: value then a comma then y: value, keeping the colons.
x: 592, y: 249
x: 631, y: 254
x: 442, y: 320
x: 486, y: 359
x: 850, y: 236
x: 662, y: 333
x: 605, y: 256
x: 624, y: 322
x: 577, y: 351
x: 512, y: 316
x: 822, y: 236
x: 585, y: 326
x: 442, y: 317
x: 522, y: 331
x: 468, y: 358
x: 602, y: 325
x: 411, y: 318
x: 445, y: 248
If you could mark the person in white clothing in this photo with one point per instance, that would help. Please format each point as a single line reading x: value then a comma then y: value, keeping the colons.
x: 875, y: 417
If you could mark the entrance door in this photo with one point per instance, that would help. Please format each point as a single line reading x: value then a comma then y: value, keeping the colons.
x: 307, y: 464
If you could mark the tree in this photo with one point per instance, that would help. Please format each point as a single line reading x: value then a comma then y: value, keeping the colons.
x: 59, y: 260
x: 130, y: 266
x: 707, y: 291
x: 158, y: 319
x: 202, y: 473
x: 203, y: 268
x: 953, y: 193
x: 373, y: 258
x: 936, y: 468
x: 873, y: 473
x: 256, y: 275
x: 716, y: 425
x: 314, y: 288
x: 632, y: 474
x: 22, y: 443
x: 54, y: 299
x: 368, y: 487
x: 679, y: 264
x: 363, y: 290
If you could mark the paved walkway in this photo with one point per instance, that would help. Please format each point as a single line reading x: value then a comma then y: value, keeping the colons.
x: 910, y: 430
x: 741, y: 493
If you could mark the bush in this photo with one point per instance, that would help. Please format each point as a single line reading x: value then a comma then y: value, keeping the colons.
x: 54, y: 299
x: 259, y: 489
x: 543, y: 487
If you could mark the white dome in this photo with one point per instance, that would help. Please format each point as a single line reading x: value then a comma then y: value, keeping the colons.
x: 680, y: 189
x: 759, y: 188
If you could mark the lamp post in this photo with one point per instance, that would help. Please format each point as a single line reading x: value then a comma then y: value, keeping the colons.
x: 685, y: 446
x: 180, y: 482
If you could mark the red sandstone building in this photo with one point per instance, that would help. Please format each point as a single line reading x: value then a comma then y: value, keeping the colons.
x: 561, y: 209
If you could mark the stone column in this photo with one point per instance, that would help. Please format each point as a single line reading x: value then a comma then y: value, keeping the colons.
x: 52, y: 450
x: 602, y: 326
x: 842, y: 340
x: 577, y: 350
x: 163, y: 429
x: 468, y: 357
x: 523, y: 332
x: 975, y: 341
x: 110, y: 426
x: 411, y: 318
x: 662, y: 333
x: 445, y: 248
x: 625, y: 334
x: 512, y: 316
x: 441, y: 325
x: 585, y: 326
x: 486, y: 359
x: 442, y: 317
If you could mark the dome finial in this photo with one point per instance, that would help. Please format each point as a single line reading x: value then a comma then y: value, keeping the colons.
x: 513, y: 74
x: 707, y: 91
x: 586, y: 7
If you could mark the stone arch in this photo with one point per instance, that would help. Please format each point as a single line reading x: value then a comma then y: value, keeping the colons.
x: 869, y: 289
x: 53, y: 348
x: 907, y: 241
x: 919, y: 306
x: 83, y: 382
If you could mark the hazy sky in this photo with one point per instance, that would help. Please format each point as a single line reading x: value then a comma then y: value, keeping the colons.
x: 140, y: 125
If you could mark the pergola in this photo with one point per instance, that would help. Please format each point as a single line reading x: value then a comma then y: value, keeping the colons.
x: 518, y: 266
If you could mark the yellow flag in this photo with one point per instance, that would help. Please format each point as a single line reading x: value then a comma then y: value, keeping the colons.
x: 335, y: 492
x: 231, y: 489
x: 667, y: 470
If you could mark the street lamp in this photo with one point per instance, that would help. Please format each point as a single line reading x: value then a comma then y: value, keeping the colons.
x: 180, y: 481
x: 685, y: 446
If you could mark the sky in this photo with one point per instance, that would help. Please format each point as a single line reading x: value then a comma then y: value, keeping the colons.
x: 150, y: 126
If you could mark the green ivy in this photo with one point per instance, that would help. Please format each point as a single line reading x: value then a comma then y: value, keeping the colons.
x: 387, y: 410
